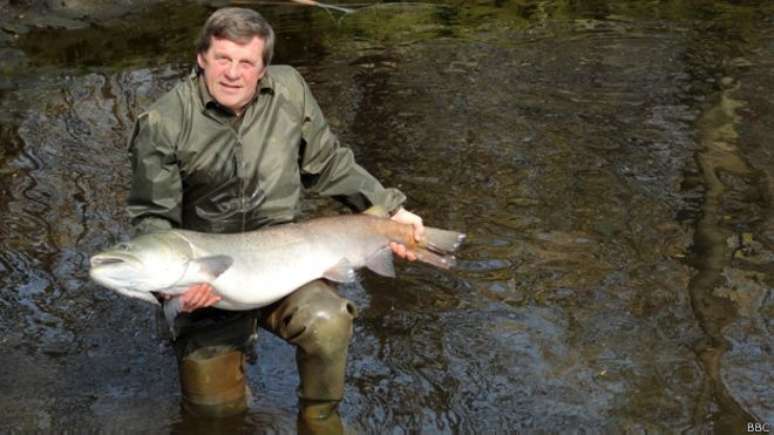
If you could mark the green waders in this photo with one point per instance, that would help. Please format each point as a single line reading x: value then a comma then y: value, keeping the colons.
x: 212, y: 343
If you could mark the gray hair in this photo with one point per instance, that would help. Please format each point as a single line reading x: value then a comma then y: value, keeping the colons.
x: 237, y: 25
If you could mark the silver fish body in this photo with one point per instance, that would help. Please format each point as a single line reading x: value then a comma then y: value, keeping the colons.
x: 253, y: 269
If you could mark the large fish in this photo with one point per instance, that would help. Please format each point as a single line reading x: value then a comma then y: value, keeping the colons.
x: 253, y: 269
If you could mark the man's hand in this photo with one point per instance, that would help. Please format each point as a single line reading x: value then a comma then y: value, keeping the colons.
x: 198, y: 296
x: 406, y: 217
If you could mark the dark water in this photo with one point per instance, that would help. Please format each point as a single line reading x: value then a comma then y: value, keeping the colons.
x: 610, y: 161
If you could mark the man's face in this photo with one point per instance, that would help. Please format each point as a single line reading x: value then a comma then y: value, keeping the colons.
x: 232, y: 71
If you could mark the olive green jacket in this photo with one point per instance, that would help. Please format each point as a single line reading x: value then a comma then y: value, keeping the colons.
x: 197, y: 166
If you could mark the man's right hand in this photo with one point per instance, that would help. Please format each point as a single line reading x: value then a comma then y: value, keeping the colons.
x: 198, y: 296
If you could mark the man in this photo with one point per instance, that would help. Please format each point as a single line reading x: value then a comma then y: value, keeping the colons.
x: 230, y: 149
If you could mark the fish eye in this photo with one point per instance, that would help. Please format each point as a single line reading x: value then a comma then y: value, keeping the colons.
x: 122, y: 246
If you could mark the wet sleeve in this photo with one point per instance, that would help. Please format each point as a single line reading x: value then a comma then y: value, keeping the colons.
x: 156, y: 193
x: 330, y: 169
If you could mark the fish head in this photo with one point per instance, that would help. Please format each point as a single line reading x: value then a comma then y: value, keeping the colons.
x: 147, y: 263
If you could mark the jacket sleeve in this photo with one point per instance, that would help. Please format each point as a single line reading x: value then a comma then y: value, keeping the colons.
x: 330, y: 169
x: 156, y: 193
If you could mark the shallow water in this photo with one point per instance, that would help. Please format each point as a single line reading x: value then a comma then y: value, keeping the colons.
x: 609, y: 161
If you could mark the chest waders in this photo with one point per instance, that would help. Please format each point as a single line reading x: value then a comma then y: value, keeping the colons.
x: 211, y: 359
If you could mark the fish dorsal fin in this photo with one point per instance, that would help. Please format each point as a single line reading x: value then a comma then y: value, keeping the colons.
x: 378, y: 211
x: 207, y: 269
x: 343, y: 271
x: 380, y: 262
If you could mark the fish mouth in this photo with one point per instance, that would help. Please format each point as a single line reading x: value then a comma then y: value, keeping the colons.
x: 96, y: 262
x: 108, y: 260
x: 111, y: 269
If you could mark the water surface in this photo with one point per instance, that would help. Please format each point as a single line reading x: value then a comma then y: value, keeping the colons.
x: 609, y: 161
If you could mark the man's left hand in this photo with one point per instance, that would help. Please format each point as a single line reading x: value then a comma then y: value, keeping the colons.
x: 406, y: 217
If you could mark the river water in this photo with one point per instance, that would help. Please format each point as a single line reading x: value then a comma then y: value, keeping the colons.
x: 610, y: 162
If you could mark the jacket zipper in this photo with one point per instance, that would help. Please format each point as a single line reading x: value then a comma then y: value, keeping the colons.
x: 241, y: 173
x: 242, y: 205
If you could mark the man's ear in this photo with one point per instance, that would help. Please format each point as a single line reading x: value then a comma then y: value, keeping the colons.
x: 200, y: 60
x: 262, y: 73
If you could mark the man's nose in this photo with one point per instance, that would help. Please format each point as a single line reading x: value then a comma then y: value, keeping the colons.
x: 232, y: 72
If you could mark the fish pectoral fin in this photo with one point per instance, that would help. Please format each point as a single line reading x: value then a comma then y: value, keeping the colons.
x: 172, y: 308
x: 206, y: 269
x: 146, y: 296
x: 343, y: 271
x: 381, y: 262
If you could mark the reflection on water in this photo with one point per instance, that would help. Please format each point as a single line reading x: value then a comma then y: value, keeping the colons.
x: 572, y: 141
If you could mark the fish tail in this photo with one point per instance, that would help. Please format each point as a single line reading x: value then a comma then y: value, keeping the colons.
x: 441, y: 241
x: 430, y: 257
